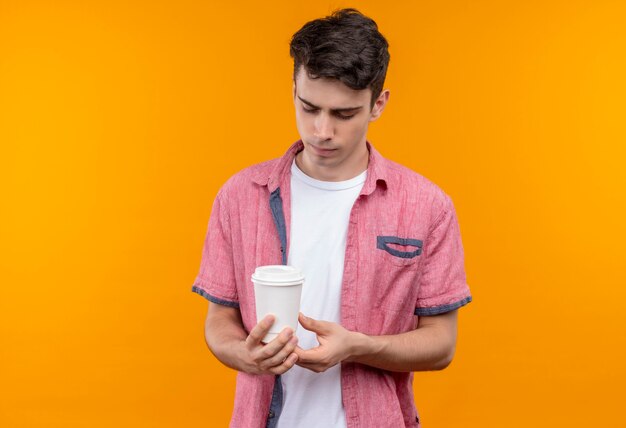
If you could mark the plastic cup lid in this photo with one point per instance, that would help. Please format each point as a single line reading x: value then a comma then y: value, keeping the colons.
x: 278, y: 274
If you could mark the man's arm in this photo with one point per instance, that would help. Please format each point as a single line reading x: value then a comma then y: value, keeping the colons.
x: 429, y: 347
x: 229, y: 342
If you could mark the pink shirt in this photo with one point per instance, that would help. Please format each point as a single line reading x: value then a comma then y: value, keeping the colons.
x: 404, y: 258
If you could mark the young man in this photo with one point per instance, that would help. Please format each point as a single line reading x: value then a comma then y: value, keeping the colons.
x: 378, y: 243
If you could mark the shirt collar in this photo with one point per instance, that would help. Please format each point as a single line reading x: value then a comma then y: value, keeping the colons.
x: 376, y: 171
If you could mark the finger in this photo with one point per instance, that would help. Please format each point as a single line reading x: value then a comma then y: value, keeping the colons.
x: 274, y: 346
x: 313, y: 367
x: 281, y: 355
x: 259, y: 331
x: 308, y: 356
x: 289, y: 362
x: 300, y: 352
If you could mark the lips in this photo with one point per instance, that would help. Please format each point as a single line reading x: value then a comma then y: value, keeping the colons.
x: 322, y: 152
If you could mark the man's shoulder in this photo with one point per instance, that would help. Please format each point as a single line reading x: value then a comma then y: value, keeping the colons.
x: 412, y: 182
x: 249, y: 177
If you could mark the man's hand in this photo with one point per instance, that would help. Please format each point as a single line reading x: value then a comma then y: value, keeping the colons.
x: 336, y: 344
x: 276, y: 357
x: 429, y: 347
x: 233, y: 346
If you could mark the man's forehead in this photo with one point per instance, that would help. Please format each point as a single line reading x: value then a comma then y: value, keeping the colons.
x: 330, y: 93
x: 352, y: 106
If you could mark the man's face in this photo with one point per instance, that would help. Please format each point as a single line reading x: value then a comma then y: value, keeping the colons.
x: 332, y: 120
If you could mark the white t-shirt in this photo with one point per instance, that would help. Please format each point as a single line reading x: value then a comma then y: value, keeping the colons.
x: 320, y: 211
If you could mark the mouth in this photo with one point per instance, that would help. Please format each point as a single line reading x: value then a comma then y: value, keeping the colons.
x: 321, y: 151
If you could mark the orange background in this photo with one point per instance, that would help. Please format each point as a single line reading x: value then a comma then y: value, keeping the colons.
x: 120, y: 120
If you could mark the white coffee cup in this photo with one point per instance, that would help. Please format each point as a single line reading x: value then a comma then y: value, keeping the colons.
x: 277, y: 290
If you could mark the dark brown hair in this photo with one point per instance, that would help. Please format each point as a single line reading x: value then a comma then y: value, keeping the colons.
x: 345, y: 45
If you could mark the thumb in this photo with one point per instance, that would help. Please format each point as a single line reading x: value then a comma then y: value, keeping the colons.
x: 311, y: 324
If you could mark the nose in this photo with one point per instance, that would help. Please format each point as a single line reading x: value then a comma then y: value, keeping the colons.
x: 323, y: 127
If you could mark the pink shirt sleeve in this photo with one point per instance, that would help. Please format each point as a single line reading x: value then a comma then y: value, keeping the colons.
x: 442, y: 286
x: 216, y: 279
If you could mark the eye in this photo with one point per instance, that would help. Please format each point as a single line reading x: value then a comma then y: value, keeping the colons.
x: 339, y: 115
x: 342, y: 117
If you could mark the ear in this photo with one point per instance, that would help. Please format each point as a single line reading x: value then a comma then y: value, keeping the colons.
x: 379, y: 105
x: 294, y: 91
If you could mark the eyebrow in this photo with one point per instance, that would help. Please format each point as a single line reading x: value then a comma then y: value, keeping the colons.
x: 336, y: 110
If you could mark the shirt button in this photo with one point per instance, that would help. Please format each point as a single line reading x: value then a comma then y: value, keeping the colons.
x: 271, y: 414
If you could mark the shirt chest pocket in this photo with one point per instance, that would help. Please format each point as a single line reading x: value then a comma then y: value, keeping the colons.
x: 402, y: 252
x: 395, y: 272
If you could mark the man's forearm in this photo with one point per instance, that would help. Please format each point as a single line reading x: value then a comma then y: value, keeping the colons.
x: 224, y: 337
x: 429, y: 347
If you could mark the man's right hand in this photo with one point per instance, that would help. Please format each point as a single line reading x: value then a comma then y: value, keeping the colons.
x: 275, y: 357
x: 234, y: 347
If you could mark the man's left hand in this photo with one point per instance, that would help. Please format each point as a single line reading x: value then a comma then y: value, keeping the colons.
x: 336, y: 344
